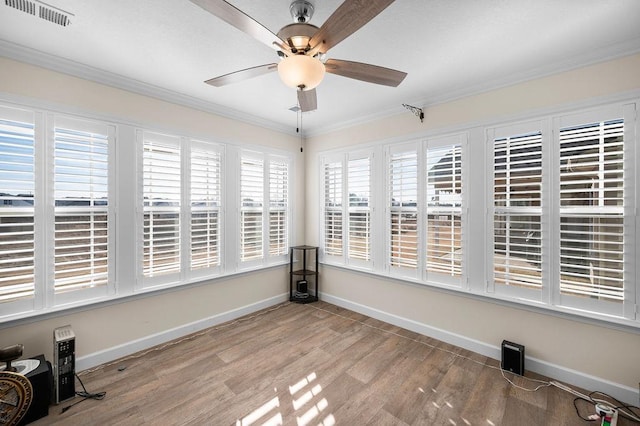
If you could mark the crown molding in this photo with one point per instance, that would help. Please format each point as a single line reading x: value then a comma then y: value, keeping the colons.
x: 595, y: 56
x: 76, y: 69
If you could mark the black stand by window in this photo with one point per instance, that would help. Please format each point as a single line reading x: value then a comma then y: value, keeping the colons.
x: 303, y: 274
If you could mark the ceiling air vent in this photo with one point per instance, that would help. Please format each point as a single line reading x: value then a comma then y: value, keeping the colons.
x: 54, y: 16
x: 45, y: 11
x: 23, y: 5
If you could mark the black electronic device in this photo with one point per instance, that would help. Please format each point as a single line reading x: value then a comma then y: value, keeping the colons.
x: 42, y: 382
x: 302, y: 287
x: 512, y: 357
x: 64, y: 364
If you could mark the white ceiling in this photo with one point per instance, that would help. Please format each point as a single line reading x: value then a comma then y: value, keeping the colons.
x: 449, y: 48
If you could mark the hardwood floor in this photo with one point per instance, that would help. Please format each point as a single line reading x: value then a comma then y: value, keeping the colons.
x: 312, y: 364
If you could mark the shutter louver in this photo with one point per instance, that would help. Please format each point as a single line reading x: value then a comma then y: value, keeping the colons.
x: 592, y: 210
x: 359, y: 176
x: 81, y: 209
x: 161, y: 192
x: 252, y: 199
x: 333, y: 209
x: 403, y: 189
x: 444, y: 210
x: 517, y: 200
x: 205, y: 207
x: 17, y: 187
x: 278, y: 196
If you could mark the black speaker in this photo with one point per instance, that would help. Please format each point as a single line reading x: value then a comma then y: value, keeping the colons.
x: 512, y: 357
x: 42, y: 381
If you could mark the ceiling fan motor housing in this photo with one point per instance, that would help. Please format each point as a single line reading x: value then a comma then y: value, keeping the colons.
x: 301, y: 11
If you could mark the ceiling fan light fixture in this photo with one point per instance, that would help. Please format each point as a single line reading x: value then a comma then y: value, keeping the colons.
x: 301, y: 71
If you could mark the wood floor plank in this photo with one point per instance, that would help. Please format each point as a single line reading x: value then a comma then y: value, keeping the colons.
x: 487, y: 400
x: 311, y: 364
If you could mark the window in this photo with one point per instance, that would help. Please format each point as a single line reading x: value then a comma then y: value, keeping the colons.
x: 91, y: 211
x: 252, y: 195
x: 278, y: 207
x: 359, y: 181
x: 206, y: 203
x: 444, y: 209
x: 17, y: 191
x: 332, y: 179
x: 82, y: 217
x: 162, y: 202
x: 545, y: 213
x: 596, y: 205
x: 264, y: 192
x: 517, y: 210
x: 591, y: 210
x: 56, y: 217
x: 403, y: 209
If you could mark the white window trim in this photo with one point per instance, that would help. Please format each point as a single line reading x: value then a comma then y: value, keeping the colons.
x: 513, y: 129
x: 626, y: 309
x: 436, y: 278
x: 477, y: 274
x: 192, y: 274
x: 390, y: 150
x: 75, y: 296
x: 125, y: 179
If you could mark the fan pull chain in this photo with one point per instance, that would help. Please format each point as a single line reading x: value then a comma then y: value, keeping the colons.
x: 299, y: 128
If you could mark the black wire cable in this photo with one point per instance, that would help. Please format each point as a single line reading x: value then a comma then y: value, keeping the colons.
x: 85, y: 394
x: 575, y: 405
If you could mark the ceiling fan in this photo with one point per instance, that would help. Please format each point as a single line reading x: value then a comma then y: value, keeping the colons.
x: 302, y: 47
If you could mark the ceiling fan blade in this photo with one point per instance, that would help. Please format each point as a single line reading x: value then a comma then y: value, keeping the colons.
x: 365, y: 72
x: 346, y: 20
x: 241, y: 75
x: 308, y: 100
x: 237, y: 18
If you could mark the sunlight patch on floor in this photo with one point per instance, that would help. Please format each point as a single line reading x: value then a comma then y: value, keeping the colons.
x: 262, y: 411
x: 303, y: 393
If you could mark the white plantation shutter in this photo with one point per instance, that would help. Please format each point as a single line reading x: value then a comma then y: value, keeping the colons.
x: 206, y: 169
x: 162, y: 197
x: 278, y: 207
x: 17, y: 189
x: 81, y: 193
x: 517, y: 210
x: 359, y: 187
x: 252, y: 202
x: 592, y: 215
x: 403, y: 208
x: 444, y: 210
x: 333, y: 234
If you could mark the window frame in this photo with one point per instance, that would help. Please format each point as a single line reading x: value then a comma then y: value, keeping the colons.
x: 219, y: 151
x: 455, y: 141
x: 266, y: 259
x: 476, y: 279
x: 126, y: 211
x: 415, y: 149
x: 516, y: 130
x: 339, y: 161
x: 175, y: 276
x: 352, y: 254
x: 88, y: 126
x: 628, y: 307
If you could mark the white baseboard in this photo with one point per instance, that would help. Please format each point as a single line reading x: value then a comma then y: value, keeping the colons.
x: 125, y: 349
x: 557, y: 372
